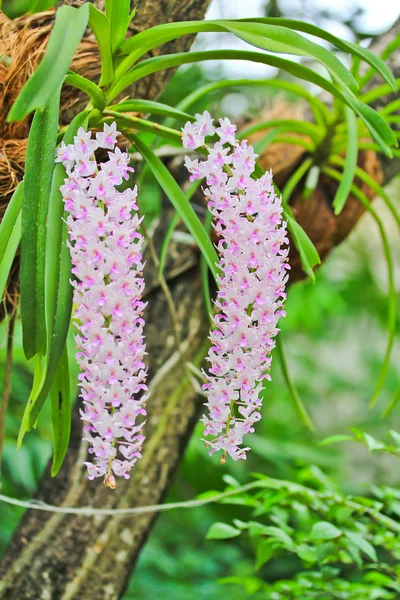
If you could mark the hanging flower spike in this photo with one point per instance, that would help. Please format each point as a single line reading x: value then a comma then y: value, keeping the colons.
x: 105, y: 246
x: 253, y: 263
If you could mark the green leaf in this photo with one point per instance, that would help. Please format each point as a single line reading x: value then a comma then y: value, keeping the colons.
x: 179, y: 201
x: 264, y: 553
x: 308, y: 253
x: 366, y: 178
x: 336, y: 439
x: 363, y: 544
x: 372, y: 443
x: 295, y: 179
x: 323, y: 530
x: 299, y: 406
x: 350, y: 164
x: 392, y: 303
x: 307, y: 553
x: 393, y: 402
x: 97, y: 97
x: 39, y: 165
x: 378, y: 127
x: 9, y: 254
x: 100, y: 26
x: 222, y: 531
x: 275, y: 38
x: 59, y: 292
x: 132, y: 122
x: 69, y: 27
x: 350, y: 47
x: 10, y: 217
x: 37, y: 376
x: 118, y: 14
x: 271, y: 36
x: 395, y: 437
x: 149, y: 106
x: 160, y: 63
x: 60, y: 412
x: 320, y: 111
x: 171, y: 228
x: 292, y: 125
x: 278, y: 534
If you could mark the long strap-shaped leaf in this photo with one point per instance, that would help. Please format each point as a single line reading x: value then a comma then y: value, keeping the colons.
x: 363, y: 53
x: 283, y: 40
x: 96, y: 95
x: 346, y: 182
x: 179, y: 201
x: 309, y: 256
x: 269, y: 37
x: 377, y: 126
x: 392, y: 304
x: 69, y: 27
x: 320, y: 111
x: 10, y: 217
x: 37, y: 182
x: 9, y: 254
x: 100, y: 26
x: 151, y: 107
x: 159, y: 63
x: 117, y: 12
x: 297, y: 401
x: 58, y: 288
x: 60, y: 412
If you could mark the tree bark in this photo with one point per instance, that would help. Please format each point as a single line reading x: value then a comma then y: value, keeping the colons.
x: 67, y: 557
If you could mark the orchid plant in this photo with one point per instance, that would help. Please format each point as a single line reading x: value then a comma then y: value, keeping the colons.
x: 80, y: 233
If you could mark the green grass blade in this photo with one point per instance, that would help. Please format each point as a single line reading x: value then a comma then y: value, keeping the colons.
x: 347, y: 179
x: 179, y: 201
x: 60, y: 412
x: 37, y: 182
x: 10, y: 217
x: 100, y: 26
x: 294, y: 394
x: 69, y: 27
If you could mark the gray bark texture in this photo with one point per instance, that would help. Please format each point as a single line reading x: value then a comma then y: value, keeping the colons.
x: 67, y: 557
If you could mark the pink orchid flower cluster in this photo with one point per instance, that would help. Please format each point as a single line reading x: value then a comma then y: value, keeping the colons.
x: 253, y: 273
x: 105, y: 246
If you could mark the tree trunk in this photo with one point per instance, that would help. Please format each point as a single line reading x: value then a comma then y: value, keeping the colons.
x: 67, y: 557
